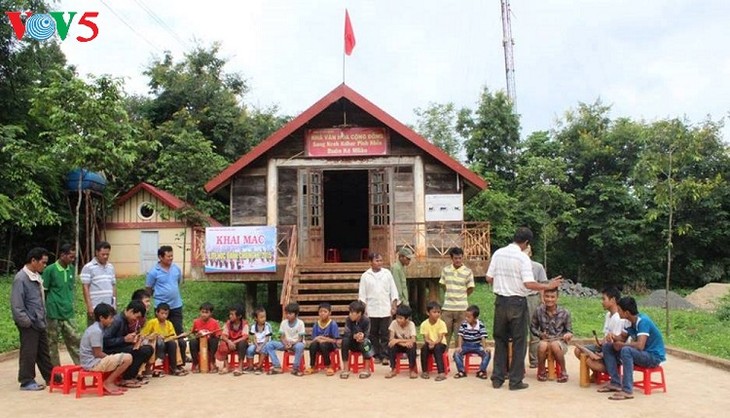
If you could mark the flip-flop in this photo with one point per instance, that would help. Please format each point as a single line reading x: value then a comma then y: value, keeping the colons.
x: 459, y: 375
x: 130, y: 384
x: 364, y: 375
x: 608, y: 389
x: 108, y: 392
x: 237, y: 373
x: 620, y: 396
x: 345, y: 375
x: 482, y: 375
x: 33, y: 386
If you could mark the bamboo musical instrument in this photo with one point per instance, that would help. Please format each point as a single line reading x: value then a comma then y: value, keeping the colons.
x: 552, y: 374
x: 203, y: 356
x: 584, y: 373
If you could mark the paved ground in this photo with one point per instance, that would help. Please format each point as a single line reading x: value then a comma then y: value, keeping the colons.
x: 694, y: 390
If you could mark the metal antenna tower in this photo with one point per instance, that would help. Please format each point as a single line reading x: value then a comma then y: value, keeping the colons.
x: 508, y: 43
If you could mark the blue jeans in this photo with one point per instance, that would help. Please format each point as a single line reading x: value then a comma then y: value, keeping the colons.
x: 627, y: 357
x: 475, y: 348
x: 251, y: 350
x: 273, y: 346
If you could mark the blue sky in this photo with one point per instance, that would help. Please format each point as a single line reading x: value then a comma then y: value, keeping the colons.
x: 649, y: 59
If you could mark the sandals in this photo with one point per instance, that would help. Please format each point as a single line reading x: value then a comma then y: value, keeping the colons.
x: 440, y: 377
x: 425, y: 375
x: 414, y: 374
x: 364, y: 375
x: 309, y: 371
x: 130, y: 384
x: 459, y: 375
x: 608, y: 389
x: 621, y: 396
x: 275, y: 370
x: 180, y: 372
x: 344, y: 375
x: 330, y: 371
x: 297, y: 373
x: 391, y: 374
x: 156, y: 373
x: 237, y: 372
x: 563, y: 378
x: 481, y: 375
x: 108, y: 392
x: 542, y: 377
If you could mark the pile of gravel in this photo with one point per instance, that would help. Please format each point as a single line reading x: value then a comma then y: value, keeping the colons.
x: 576, y: 289
x: 658, y: 299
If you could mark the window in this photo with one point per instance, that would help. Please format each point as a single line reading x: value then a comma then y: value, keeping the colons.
x: 146, y: 210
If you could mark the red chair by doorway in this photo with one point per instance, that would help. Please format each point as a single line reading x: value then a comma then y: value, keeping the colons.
x: 332, y: 256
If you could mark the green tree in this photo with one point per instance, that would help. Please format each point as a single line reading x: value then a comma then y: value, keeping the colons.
x: 437, y: 123
x: 187, y: 162
x: 492, y: 134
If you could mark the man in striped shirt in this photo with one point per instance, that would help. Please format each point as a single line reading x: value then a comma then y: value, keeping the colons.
x: 99, y: 281
x: 458, y: 282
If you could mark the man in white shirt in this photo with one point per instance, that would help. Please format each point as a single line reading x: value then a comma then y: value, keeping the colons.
x: 380, y: 295
x: 614, y: 329
x: 510, y: 272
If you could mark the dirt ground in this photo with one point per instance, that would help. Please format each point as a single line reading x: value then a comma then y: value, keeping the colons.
x: 707, y: 296
x: 694, y: 390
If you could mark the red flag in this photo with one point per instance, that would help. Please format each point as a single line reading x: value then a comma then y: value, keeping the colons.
x: 349, y: 35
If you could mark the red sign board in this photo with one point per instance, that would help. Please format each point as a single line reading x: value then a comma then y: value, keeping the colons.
x: 346, y: 142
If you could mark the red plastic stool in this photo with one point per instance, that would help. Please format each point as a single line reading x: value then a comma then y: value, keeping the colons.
x: 401, y: 363
x: 233, y: 360
x: 266, y: 364
x: 603, y: 377
x: 289, y: 361
x: 432, y: 363
x: 335, y: 362
x: 647, y: 384
x: 333, y: 255
x: 67, y: 375
x: 97, y: 383
x: 164, y: 367
x: 357, y: 362
x: 468, y: 366
x: 364, y: 254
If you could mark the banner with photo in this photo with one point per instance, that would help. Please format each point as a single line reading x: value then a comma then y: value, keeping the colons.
x: 240, y: 249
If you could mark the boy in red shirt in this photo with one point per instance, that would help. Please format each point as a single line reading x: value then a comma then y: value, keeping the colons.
x: 233, y: 339
x: 205, y: 326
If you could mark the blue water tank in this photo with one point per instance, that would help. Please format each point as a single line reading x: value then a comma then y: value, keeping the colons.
x: 89, y: 180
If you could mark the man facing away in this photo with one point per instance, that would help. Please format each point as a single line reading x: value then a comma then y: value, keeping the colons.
x: 510, y: 272
x: 405, y: 255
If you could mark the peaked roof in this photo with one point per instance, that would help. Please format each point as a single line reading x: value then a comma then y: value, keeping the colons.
x: 170, y: 200
x: 343, y: 91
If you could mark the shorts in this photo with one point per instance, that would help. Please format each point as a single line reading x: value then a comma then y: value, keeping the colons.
x: 109, y: 363
x: 593, y: 348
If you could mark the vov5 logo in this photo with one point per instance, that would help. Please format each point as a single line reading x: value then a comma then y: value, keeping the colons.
x: 42, y: 26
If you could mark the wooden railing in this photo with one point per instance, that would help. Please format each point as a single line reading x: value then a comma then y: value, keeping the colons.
x: 291, y: 265
x: 435, y: 239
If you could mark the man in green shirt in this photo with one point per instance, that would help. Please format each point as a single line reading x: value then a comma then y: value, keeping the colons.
x: 59, y: 285
x: 405, y: 255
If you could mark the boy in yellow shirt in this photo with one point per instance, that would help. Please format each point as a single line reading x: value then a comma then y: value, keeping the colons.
x: 161, y: 332
x: 433, y: 330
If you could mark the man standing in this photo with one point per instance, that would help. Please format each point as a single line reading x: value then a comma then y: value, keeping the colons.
x: 510, y: 272
x: 405, y: 255
x: 458, y: 282
x: 378, y: 292
x: 99, y: 281
x: 534, y: 299
x: 645, y: 350
x: 29, y: 314
x: 163, y: 282
x: 59, y: 284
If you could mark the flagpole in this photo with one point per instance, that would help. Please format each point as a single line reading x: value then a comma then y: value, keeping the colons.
x: 343, y: 67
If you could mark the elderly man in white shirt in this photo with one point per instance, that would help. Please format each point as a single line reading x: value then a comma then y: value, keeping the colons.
x: 380, y: 295
x: 510, y: 272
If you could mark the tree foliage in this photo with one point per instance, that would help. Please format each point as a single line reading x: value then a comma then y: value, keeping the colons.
x: 436, y: 123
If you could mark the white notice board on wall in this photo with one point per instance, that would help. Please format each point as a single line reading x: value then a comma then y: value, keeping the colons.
x: 444, y: 207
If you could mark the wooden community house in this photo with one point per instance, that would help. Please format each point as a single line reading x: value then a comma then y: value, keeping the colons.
x: 340, y: 181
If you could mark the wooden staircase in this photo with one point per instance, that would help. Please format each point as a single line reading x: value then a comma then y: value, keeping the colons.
x: 336, y: 283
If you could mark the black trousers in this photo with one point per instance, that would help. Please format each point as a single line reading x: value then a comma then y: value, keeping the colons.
x: 410, y: 352
x: 349, y: 344
x: 510, y: 321
x: 33, y: 350
x: 323, y: 348
x: 168, y: 348
x: 379, y: 336
x: 176, y: 317
x: 438, y: 351
x: 212, y: 348
x: 140, y: 356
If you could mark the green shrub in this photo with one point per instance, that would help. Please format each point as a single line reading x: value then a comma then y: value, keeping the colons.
x: 723, y: 308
